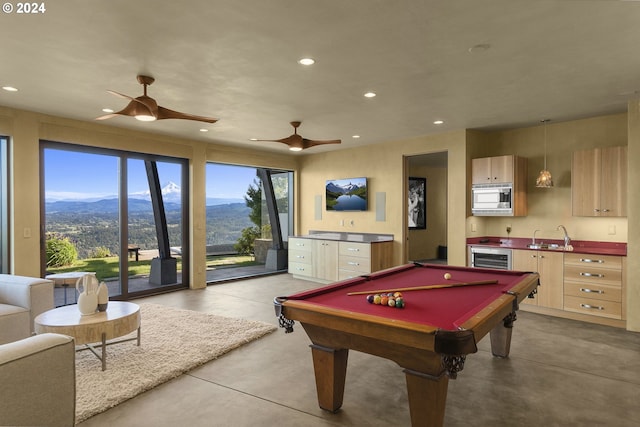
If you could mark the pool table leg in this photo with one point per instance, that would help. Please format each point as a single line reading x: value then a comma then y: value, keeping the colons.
x: 427, y: 398
x: 501, y: 336
x: 330, y: 367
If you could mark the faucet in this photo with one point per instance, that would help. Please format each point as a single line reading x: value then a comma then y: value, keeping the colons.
x: 533, y: 241
x: 567, y: 239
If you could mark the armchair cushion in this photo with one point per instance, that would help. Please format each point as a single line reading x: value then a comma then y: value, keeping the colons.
x: 38, y: 379
x: 21, y: 300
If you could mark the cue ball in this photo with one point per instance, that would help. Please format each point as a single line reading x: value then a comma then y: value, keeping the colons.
x: 447, y: 276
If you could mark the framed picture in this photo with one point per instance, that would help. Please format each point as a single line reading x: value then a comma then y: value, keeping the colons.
x: 417, y: 203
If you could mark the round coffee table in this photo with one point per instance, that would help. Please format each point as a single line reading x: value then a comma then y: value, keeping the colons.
x: 120, y: 318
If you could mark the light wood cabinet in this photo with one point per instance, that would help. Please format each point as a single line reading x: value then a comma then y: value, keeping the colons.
x: 593, y: 284
x: 492, y: 170
x: 599, y: 182
x: 300, y: 257
x: 507, y: 169
x: 549, y: 265
x: 327, y: 261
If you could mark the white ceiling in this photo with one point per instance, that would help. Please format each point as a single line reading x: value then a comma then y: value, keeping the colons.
x: 236, y: 60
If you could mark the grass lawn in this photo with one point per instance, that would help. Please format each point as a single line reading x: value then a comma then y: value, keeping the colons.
x: 107, y: 268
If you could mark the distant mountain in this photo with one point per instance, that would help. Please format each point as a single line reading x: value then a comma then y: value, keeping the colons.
x: 342, y: 189
x: 103, y: 206
x: 214, y: 201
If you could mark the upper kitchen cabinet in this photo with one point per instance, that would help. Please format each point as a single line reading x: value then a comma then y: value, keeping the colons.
x: 492, y: 170
x: 499, y: 186
x: 599, y: 182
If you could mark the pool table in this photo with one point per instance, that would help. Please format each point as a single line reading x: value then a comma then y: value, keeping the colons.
x: 429, y: 338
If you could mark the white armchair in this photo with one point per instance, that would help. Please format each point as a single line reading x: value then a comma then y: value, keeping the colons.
x: 38, y: 381
x: 21, y: 300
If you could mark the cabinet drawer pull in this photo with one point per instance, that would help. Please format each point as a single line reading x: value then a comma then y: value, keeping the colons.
x: 596, y: 291
x: 300, y: 256
x: 300, y: 268
x: 534, y: 256
x: 599, y: 261
x: 353, y: 249
x: 299, y: 244
x: 592, y: 307
x: 591, y: 275
x: 353, y: 263
x: 606, y: 210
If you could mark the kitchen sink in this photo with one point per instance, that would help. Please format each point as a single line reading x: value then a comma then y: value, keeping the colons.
x: 545, y: 246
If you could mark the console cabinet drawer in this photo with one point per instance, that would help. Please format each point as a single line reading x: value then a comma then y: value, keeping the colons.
x: 593, y: 307
x: 591, y: 274
x: 349, y: 249
x: 360, y: 265
x: 300, y: 269
x: 593, y: 291
x: 300, y: 256
x: 594, y: 261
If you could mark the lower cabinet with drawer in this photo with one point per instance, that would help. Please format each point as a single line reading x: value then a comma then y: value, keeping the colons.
x: 594, y: 285
x: 326, y: 261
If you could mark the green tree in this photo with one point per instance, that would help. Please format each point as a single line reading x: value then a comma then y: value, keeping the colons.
x: 245, y: 245
x: 253, y: 200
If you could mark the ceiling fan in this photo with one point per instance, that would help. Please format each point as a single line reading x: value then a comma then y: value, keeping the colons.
x: 146, y: 109
x: 297, y: 142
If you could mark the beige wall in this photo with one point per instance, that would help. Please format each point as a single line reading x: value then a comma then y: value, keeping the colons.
x: 633, y: 206
x: 27, y: 129
x: 384, y: 166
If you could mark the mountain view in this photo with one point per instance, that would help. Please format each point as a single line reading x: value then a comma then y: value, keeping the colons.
x: 91, y: 223
x: 347, y: 194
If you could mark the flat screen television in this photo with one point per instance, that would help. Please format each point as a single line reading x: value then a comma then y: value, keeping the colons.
x: 348, y: 194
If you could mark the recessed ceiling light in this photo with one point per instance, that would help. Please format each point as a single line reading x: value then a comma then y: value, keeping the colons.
x: 204, y: 130
x: 306, y: 61
x: 438, y: 122
x: 9, y: 88
x: 369, y: 95
x: 253, y: 139
x: 355, y: 136
x: 107, y: 110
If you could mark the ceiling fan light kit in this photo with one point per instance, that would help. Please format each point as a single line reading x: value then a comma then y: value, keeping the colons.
x: 297, y: 142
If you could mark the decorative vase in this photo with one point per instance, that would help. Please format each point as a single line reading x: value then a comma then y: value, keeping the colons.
x: 87, y: 287
x: 103, y: 297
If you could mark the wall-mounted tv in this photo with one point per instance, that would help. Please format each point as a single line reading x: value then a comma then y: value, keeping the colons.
x: 347, y: 194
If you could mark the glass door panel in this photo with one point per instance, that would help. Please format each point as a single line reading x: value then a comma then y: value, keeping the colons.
x: 155, y: 225
x: 81, y: 222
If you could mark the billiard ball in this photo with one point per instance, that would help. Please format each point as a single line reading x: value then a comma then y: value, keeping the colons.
x: 447, y: 276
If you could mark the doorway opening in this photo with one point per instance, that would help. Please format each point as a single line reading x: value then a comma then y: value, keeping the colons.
x: 427, y: 201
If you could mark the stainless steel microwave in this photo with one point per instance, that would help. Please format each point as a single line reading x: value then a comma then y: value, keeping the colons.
x: 492, y: 199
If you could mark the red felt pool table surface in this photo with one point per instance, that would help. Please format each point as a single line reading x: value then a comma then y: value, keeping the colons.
x: 445, y: 308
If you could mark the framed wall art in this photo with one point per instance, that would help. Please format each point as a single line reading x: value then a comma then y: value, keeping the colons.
x: 417, y: 203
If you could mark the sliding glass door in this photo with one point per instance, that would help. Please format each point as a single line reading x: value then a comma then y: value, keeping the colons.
x: 117, y: 214
x: 240, y: 233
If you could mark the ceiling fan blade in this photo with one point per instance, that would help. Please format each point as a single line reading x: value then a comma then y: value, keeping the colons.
x: 121, y: 95
x: 131, y: 109
x: 312, y: 143
x: 165, y: 113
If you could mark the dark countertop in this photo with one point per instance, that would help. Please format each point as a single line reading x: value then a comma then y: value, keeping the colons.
x: 348, y: 237
x: 578, y: 246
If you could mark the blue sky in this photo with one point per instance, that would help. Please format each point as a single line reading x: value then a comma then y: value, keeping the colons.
x: 74, y: 175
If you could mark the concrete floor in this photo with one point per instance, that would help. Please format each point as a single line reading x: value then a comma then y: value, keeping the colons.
x: 560, y: 373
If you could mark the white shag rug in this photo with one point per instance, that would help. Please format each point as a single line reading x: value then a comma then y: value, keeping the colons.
x: 173, y: 342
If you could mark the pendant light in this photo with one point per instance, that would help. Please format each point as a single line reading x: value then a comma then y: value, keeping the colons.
x: 544, y: 180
